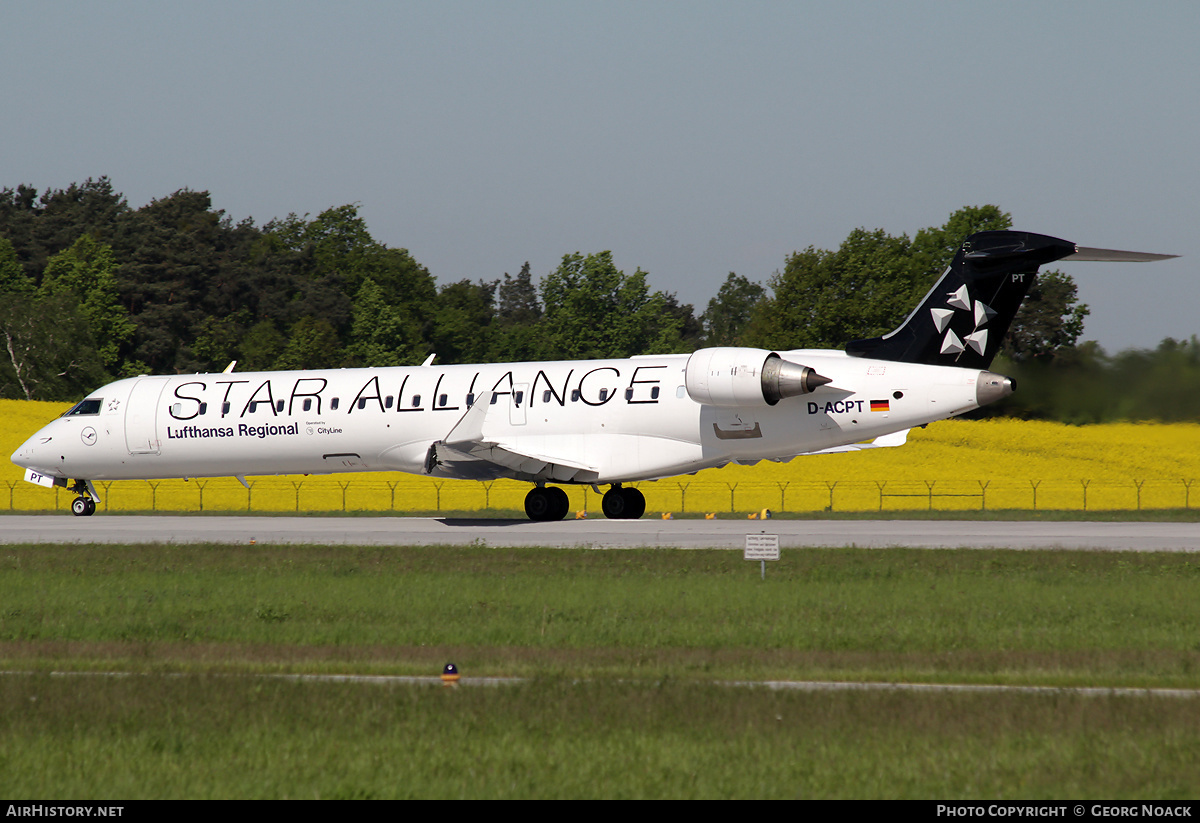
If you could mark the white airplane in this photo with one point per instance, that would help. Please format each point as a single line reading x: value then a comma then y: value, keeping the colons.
x: 595, y: 422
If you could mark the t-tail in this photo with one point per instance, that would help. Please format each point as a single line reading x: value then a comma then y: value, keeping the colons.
x: 964, y: 317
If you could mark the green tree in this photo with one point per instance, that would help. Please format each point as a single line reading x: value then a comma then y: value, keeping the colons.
x: 312, y: 343
x: 593, y: 310
x: 48, y: 351
x: 40, y: 227
x: 516, y: 327
x: 13, y: 279
x: 86, y: 271
x: 1050, y: 320
x: 382, y: 334
x: 933, y: 248
x: 260, y: 347
x: 822, y: 299
x: 461, y: 329
x: 727, y: 315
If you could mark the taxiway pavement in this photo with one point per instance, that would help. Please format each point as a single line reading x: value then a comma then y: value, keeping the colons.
x: 599, y: 533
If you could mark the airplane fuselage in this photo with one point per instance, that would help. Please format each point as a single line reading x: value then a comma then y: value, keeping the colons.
x: 610, y: 421
x: 593, y: 421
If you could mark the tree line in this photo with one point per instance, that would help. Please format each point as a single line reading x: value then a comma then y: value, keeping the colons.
x: 91, y: 289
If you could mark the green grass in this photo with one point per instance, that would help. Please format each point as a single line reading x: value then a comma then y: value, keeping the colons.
x: 1058, y: 618
x: 624, y: 651
x: 210, y: 737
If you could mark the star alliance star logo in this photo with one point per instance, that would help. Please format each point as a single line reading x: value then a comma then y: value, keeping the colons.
x: 960, y: 300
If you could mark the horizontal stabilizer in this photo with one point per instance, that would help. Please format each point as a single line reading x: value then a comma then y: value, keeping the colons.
x: 1083, y: 253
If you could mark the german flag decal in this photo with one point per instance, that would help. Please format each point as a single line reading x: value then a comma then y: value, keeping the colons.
x: 879, y: 405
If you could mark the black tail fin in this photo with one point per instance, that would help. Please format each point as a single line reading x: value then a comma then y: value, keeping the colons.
x: 964, y: 317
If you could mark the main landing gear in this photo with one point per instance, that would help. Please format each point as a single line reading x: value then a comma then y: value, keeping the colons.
x: 621, y: 503
x: 544, y: 503
x: 83, y: 505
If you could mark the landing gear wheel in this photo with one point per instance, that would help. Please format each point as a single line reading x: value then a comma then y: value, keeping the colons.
x: 561, y: 503
x: 623, y: 503
x: 83, y: 507
x: 635, y: 503
x: 546, y: 503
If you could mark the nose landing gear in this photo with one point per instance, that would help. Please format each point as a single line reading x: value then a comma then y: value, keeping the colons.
x: 84, y: 505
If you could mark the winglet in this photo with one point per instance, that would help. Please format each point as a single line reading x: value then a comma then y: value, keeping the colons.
x: 229, y: 368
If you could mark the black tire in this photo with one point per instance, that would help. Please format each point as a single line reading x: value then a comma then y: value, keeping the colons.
x: 80, y: 507
x: 546, y: 503
x: 560, y: 504
x: 635, y: 503
x: 614, y: 504
x: 91, y: 504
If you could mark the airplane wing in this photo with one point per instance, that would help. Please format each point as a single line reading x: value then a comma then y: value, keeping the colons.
x: 473, y: 452
x: 886, y: 441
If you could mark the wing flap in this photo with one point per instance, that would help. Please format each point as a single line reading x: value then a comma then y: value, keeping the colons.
x: 503, y: 454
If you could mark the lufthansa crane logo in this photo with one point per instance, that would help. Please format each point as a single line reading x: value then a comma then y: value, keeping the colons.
x: 88, y: 436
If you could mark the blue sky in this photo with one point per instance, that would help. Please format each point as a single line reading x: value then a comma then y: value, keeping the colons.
x: 690, y: 138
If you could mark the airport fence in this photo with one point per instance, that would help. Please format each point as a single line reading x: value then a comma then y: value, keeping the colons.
x: 406, y: 493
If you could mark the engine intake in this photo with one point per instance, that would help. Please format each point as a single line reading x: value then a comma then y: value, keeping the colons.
x: 746, y: 377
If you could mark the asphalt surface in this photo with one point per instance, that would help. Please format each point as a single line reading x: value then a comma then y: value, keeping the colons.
x: 599, y: 533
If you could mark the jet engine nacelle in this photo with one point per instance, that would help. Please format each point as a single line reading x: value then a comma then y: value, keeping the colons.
x: 746, y: 377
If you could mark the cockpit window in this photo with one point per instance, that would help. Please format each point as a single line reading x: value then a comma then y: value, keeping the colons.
x: 90, y: 406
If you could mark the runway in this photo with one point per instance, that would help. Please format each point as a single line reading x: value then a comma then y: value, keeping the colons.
x: 599, y: 533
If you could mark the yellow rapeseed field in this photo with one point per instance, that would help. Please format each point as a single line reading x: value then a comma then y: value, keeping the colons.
x: 955, y: 464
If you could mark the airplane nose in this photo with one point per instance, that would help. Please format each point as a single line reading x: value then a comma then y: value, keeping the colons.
x: 22, y: 455
x: 27, y: 453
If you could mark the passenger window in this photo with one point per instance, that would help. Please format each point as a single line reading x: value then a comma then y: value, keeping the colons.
x: 517, y: 397
x: 680, y: 392
x: 441, y: 399
x: 546, y: 396
x: 603, y: 395
x: 333, y: 404
x: 495, y: 397
x: 574, y: 395
x: 307, y: 403
x: 387, y: 402
x: 629, y: 394
x: 654, y: 393
x: 279, y: 406
x: 204, y: 408
x: 362, y: 402
x: 224, y: 408
x: 416, y: 401
x: 470, y: 400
